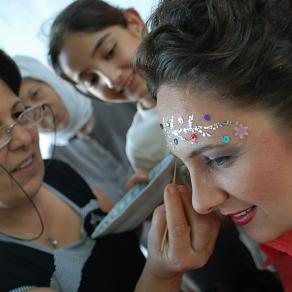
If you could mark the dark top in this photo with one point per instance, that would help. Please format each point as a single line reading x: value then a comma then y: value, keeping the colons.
x: 109, y: 264
x: 100, y: 157
x: 111, y: 126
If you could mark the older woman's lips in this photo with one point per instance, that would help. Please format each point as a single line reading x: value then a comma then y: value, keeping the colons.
x: 243, y: 217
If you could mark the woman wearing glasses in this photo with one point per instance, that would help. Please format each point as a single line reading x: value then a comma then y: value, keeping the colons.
x: 47, y: 213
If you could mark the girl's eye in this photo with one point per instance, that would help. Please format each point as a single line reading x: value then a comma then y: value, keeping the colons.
x: 110, y: 53
x: 218, y: 162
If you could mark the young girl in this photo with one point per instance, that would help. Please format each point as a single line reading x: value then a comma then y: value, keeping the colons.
x: 222, y: 73
x: 93, y: 44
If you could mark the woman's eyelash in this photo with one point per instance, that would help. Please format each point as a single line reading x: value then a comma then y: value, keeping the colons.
x: 111, y: 52
x: 222, y: 161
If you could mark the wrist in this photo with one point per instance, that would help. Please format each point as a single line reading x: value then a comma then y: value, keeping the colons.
x: 167, y: 277
x: 150, y: 281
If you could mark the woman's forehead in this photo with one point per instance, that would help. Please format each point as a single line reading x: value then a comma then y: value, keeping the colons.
x: 182, y: 99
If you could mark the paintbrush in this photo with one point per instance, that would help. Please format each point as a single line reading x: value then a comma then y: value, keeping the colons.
x: 164, y: 238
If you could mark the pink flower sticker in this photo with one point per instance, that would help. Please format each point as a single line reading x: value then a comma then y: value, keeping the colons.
x: 241, y: 131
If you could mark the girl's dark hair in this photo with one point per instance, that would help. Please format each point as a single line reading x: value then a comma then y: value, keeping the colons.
x: 9, y: 72
x: 81, y: 16
x: 239, y: 48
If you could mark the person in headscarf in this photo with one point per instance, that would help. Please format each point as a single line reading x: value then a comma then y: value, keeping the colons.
x: 84, y: 135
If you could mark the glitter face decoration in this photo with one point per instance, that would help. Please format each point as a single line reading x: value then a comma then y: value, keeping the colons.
x: 177, y: 129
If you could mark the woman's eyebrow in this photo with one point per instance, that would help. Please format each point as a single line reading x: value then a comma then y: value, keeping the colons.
x: 205, y: 148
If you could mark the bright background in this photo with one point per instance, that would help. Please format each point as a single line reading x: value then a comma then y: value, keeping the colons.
x: 24, y: 27
x: 24, y: 24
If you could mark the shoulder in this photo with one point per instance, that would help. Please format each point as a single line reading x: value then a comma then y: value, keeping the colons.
x: 64, y: 178
x: 144, y: 120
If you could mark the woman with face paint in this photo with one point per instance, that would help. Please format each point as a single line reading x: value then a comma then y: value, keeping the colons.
x: 93, y: 44
x: 85, y: 136
x: 48, y: 212
x: 222, y: 72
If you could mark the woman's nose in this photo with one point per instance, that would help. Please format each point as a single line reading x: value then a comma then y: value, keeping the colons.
x: 206, y: 196
x: 21, y: 137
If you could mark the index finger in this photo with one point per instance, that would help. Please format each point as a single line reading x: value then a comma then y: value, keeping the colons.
x: 175, y: 214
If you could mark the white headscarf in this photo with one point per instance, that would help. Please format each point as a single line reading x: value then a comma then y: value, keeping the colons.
x: 78, y: 106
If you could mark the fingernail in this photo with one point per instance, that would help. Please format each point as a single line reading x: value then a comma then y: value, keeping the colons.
x: 171, y: 188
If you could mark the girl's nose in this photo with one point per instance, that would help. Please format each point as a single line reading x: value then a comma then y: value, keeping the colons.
x: 112, y: 77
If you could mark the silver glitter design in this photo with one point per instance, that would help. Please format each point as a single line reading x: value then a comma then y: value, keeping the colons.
x: 185, y: 134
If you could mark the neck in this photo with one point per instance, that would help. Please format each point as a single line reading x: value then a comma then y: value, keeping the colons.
x: 22, y: 218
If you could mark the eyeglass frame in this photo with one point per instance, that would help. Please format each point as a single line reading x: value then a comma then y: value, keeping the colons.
x: 7, y: 129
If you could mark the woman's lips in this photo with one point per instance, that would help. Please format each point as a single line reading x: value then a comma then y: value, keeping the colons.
x: 25, y: 166
x: 243, y: 217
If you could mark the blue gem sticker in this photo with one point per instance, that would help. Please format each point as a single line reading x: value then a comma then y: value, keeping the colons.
x: 175, y: 141
x: 225, y: 139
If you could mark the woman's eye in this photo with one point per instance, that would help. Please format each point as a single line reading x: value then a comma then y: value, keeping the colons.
x: 16, y: 114
x: 110, y: 53
x: 34, y: 95
x: 222, y: 161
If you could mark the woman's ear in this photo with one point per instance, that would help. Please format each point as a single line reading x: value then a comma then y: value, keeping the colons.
x: 135, y: 22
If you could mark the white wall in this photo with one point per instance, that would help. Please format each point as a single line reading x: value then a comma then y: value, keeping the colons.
x: 24, y: 25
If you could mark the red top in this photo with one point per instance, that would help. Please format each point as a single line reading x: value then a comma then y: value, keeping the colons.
x: 279, y: 252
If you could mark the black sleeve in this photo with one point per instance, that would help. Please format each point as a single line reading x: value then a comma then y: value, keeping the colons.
x: 115, y: 265
x: 23, y: 266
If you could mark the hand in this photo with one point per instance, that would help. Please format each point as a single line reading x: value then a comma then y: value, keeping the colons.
x: 191, y: 236
x: 105, y: 204
x: 141, y: 176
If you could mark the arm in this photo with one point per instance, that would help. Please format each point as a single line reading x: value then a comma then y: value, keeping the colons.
x: 191, y: 240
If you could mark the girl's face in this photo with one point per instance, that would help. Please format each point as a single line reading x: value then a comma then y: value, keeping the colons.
x: 34, y: 92
x: 102, y: 62
x: 21, y: 156
x: 240, y: 164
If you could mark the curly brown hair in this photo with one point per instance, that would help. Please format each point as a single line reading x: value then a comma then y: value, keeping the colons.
x: 240, y: 48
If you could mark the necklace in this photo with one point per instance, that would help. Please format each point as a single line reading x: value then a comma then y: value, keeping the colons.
x: 33, y: 237
x: 52, y: 241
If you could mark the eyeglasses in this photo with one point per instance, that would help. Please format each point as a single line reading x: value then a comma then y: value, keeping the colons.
x: 26, y: 119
